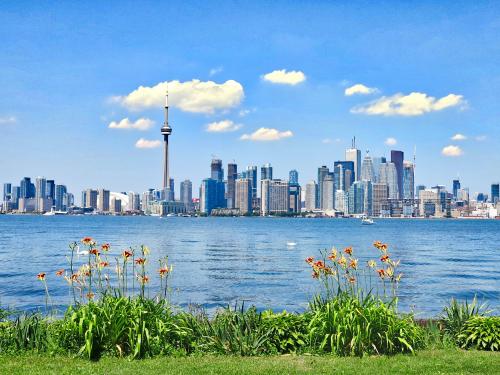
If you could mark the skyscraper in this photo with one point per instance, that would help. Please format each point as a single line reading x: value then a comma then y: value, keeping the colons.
x: 377, y: 160
x: 380, y: 195
x: 311, y: 195
x: 354, y: 155
x: 187, y: 194
x: 208, y: 195
x: 51, y: 190
x: 61, y: 192
x: 456, y: 188
x: 7, y: 192
x: 293, y: 177
x: 408, y: 180
x: 323, y: 171
x: 397, y: 158
x: 367, y: 172
x: 388, y: 176
x: 266, y: 172
x: 274, y: 197
x: 356, y: 198
x: 103, y: 200
x: 344, y: 174
x: 252, y: 175
x: 27, y: 188
x: 232, y: 175
x: 217, y: 173
x: 243, y: 194
x: 41, y: 187
x: 328, y: 193
x: 91, y: 199
x: 166, y: 130
x: 495, y: 193
x: 294, y: 193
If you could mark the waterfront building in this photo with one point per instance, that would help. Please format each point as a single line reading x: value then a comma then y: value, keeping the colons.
x: 61, y: 198
x: 208, y: 195
x: 27, y: 205
x: 377, y: 160
x: 311, y: 195
x: 232, y: 175
x: 354, y: 155
x: 103, y: 200
x: 7, y: 192
x: 252, y: 175
x: 27, y: 188
x: 430, y: 204
x: 50, y: 190
x: 341, y: 201
x: 116, y: 205
x: 243, y: 194
x: 14, y: 198
x: 266, y: 172
x: 293, y: 177
x: 323, y: 171
x: 388, y: 176
x: 344, y: 174
x: 495, y: 193
x: 187, y: 194
x: 367, y: 172
x: 217, y: 172
x: 328, y: 193
x: 90, y: 200
x: 294, y: 192
x: 397, y: 158
x: 41, y: 195
x: 456, y: 188
x: 408, y: 180
x: 367, y: 197
x: 274, y: 197
x: 380, y: 196
x: 463, y: 195
x: 356, y: 198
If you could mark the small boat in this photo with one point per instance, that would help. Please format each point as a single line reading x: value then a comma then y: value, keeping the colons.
x: 367, y: 221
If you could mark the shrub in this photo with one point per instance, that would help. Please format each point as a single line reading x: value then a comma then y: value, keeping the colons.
x: 288, y: 333
x: 456, y: 314
x: 348, y: 325
x: 481, y: 332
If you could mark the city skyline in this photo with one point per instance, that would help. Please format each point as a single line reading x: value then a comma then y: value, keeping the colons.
x: 295, y: 98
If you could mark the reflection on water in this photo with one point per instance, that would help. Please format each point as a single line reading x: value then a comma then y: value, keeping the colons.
x: 260, y: 260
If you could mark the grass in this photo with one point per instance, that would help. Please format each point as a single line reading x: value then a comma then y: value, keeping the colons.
x: 447, y: 361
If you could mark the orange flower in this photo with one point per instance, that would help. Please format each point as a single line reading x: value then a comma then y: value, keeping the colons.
x: 41, y: 276
x: 315, y: 275
x: 140, y: 261
x: 163, y: 271
x: 319, y: 264
x: 353, y: 264
x: 309, y: 260
x: 90, y: 295
x: 105, y: 247
x: 103, y: 264
x: 94, y: 252
x: 351, y: 279
x: 381, y: 273
x: 348, y: 250
x: 384, y: 258
x: 127, y: 254
x: 74, y: 276
x: 87, y: 240
x: 144, y: 279
x: 60, y: 272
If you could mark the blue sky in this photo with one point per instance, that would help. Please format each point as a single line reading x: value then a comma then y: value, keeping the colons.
x: 69, y: 70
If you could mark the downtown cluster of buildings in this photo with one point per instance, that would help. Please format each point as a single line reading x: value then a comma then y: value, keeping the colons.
x: 356, y: 186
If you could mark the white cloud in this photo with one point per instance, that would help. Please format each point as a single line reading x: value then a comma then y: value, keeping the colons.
x: 413, y: 104
x: 480, y: 138
x: 452, y: 150
x: 267, y: 134
x: 329, y: 140
x: 359, y: 89
x: 145, y: 143
x: 215, y: 71
x: 391, y: 141
x: 8, y: 120
x: 283, y: 77
x: 190, y: 96
x: 223, y: 126
x: 458, y: 137
x: 139, y: 124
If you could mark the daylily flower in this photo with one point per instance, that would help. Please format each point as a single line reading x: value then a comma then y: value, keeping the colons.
x: 94, y: 252
x: 105, y: 247
x: 351, y: 279
x: 348, y: 250
x: 140, y: 261
x: 90, y: 295
x: 143, y: 279
x: 103, y: 264
x: 41, y: 276
x: 127, y: 254
x: 353, y: 264
x: 381, y: 273
x: 309, y: 260
x: 60, y: 272
x: 87, y: 241
x: 384, y: 258
x: 371, y: 263
x: 163, y: 271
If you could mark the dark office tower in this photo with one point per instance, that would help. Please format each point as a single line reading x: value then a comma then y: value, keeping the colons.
x: 456, y: 188
x: 344, y: 174
x: 323, y: 171
x: 266, y: 172
x: 232, y: 175
x: 7, y: 191
x: 60, y: 197
x: 217, y: 171
x: 293, y: 177
x: 50, y: 190
x: 27, y: 188
x: 495, y: 193
x: 251, y: 173
x: 397, y: 158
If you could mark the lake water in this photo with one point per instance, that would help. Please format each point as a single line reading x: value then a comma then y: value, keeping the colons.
x: 222, y: 260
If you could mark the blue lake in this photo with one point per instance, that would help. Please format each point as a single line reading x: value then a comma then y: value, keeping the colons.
x: 222, y: 260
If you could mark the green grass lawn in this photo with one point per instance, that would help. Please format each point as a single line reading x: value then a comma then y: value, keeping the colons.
x: 450, y: 361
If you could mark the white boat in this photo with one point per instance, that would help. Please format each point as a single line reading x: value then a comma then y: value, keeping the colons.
x: 367, y: 221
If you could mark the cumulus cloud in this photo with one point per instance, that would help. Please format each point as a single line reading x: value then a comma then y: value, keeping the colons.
x: 391, y: 141
x: 359, y: 89
x: 223, y: 126
x: 458, y: 137
x: 8, y: 120
x: 139, y: 124
x: 452, y: 150
x: 413, y: 104
x: 267, y: 134
x: 283, y: 77
x: 145, y: 143
x: 190, y: 96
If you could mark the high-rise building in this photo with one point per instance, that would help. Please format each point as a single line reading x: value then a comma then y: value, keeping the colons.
x: 367, y: 172
x: 295, y: 192
x: 311, y: 195
x: 27, y: 188
x: 116, y: 205
x: 41, y: 187
x: 166, y: 130
x: 356, y: 198
x: 408, y: 180
x: 397, y: 158
x: 418, y: 189
x: 7, y: 192
x: 377, y: 160
x: 323, y: 171
x: 495, y: 193
x: 456, y: 188
x: 208, y: 195
x: 354, y: 155
x: 274, y: 197
x: 328, y: 193
x: 388, y: 176
x: 293, y: 177
x: 103, y: 200
x: 341, y: 201
x: 232, y: 175
x: 187, y: 194
x: 243, y: 195
x: 16, y: 193
x: 367, y: 197
x: 91, y: 199
x: 266, y: 172
x: 60, y: 198
x: 344, y: 174
x: 380, y: 195
x: 252, y: 175
x: 50, y: 190
x: 217, y: 173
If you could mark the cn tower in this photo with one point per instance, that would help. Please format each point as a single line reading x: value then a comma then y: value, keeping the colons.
x: 166, y: 130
